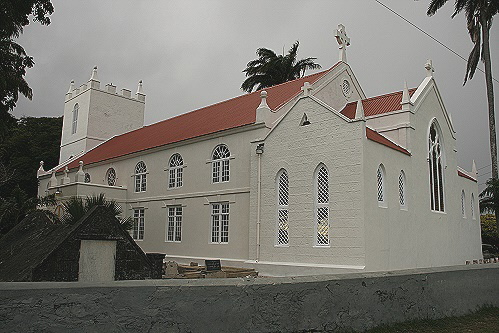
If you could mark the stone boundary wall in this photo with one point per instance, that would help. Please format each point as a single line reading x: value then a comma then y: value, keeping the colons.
x: 319, y: 303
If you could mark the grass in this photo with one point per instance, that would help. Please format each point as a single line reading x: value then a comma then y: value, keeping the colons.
x: 484, y: 320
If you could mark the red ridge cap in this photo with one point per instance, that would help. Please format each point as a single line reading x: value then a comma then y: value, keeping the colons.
x: 462, y: 174
x: 381, y: 139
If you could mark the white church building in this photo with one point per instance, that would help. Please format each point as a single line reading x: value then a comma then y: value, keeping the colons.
x: 309, y: 176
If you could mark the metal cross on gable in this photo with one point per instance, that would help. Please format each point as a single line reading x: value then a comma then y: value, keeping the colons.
x: 343, y: 40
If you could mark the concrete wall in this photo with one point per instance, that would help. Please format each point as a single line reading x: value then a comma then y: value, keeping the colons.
x: 320, y: 303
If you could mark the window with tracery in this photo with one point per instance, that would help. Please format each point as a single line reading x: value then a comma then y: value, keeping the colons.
x: 380, y: 179
x: 176, y: 167
x: 435, y: 152
x: 111, y: 177
x: 322, y: 206
x: 282, y: 208
x: 75, y: 118
x: 140, y: 177
x: 402, y: 199
x: 473, y: 206
x: 220, y: 164
x: 463, y: 204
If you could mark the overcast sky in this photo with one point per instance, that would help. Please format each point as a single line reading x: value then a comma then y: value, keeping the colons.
x: 191, y: 54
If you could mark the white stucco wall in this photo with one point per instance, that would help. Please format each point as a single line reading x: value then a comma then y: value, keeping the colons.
x: 418, y: 236
x: 337, y: 144
x: 101, y: 115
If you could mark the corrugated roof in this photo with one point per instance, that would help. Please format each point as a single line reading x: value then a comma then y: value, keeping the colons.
x: 232, y: 113
x: 377, y: 105
x: 376, y: 137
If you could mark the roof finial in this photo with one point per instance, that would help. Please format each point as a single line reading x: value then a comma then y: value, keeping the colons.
x: 66, y: 179
x: 94, y: 79
x: 71, y: 87
x: 140, y: 93
x: 406, y: 98
x: 94, y: 74
x: 40, y: 171
x: 473, y: 169
x: 80, y: 175
x: 359, y: 110
x: 263, y: 102
x: 53, y: 180
x: 429, y: 68
x: 343, y: 40
x: 307, y: 89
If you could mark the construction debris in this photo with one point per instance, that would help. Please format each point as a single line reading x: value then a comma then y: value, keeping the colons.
x: 174, y: 270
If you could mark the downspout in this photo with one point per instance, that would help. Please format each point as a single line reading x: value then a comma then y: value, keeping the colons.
x: 259, y: 152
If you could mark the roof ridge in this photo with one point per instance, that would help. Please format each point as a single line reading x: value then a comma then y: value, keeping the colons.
x: 389, y: 94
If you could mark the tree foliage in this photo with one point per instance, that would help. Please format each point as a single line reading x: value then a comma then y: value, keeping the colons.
x: 489, y: 229
x: 479, y: 14
x: 14, y: 16
x: 75, y: 208
x: 25, y: 143
x: 270, y: 69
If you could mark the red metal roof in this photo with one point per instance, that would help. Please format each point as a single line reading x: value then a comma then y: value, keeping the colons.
x: 232, y: 113
x: 376, y: 137
x: 462, y: 174
x: 377, y: 105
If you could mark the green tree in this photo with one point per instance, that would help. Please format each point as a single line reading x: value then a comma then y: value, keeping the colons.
x: 17, y: 205
x: 14, y: 16
x: 489, y: 199
x: 75, y: 208
x: 271, y: 69
x: 28, y: 142
x: 479, y: 14
x: 489, y: 229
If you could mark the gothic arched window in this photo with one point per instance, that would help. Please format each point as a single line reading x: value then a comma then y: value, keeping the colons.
x: 111, y: 177
x: 220, y: 164
x: 75, y: 118
x: 473, y: 206
x: 140, y: 177
x: 322, y: 205
x: 435, y: 155
x: 176, y: 166
x: 402, y: 190
x: 463, y: 204
x: 282, y: 208
x: 380, y: 179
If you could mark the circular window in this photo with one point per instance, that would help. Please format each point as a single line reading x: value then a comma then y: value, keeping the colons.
x: 111, y: 177
x: 87, y: 177
x: 346, y: 87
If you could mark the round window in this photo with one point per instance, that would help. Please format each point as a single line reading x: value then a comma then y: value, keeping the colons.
x: 346, y: 87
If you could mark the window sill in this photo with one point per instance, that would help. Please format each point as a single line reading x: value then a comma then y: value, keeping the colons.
x: 322, y: 246
x: 281, y: 245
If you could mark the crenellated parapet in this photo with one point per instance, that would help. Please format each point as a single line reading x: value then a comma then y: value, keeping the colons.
x: 94, y: 83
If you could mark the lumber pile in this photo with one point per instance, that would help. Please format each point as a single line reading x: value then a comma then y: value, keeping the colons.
x: 174, y: 270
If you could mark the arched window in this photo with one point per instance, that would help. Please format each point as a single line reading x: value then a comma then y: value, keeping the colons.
x: 140, y: 177
x: 111, y: 177
x: 463, y: 204
x: 175, y: 171
x: 380, y: 178
x: 282, y: 208
x: 322, y: 206
x: 75, y: 118
x: 473, y: 206
x: 435, y: 153
x: 220, y: 164
x: 87, y: 177
x: 402, y: 195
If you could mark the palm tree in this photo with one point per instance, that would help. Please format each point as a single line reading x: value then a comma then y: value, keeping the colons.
x: 479, y: 15
x: 271, y: 69
x: 75, y: 208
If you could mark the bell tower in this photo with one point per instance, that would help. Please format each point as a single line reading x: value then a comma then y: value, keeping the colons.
x: 93, y: 115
